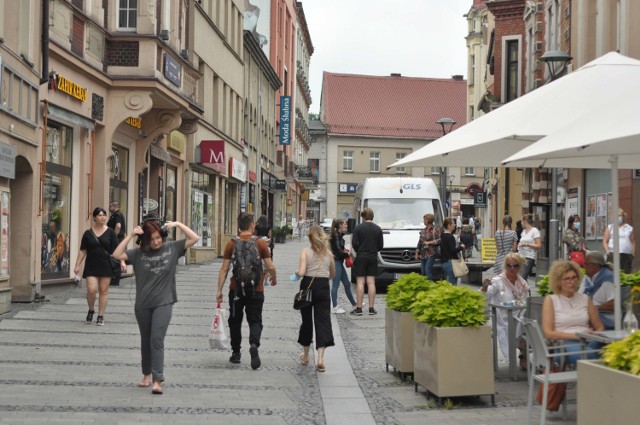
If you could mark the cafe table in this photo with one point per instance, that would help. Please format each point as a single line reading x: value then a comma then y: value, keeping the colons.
x: 605, y: 337
x: 510, y: 308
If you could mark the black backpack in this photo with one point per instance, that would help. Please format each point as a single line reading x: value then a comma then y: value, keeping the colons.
x: 247, y: 264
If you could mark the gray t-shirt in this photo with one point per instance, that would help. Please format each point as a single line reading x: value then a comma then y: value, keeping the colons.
x: 155, y: 274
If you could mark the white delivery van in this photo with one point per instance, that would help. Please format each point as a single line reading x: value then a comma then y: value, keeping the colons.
x: 399, y: 205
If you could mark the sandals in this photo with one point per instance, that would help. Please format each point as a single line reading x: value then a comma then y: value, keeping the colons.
x: 320, y: 367
x: 304, y: 359
x: 156, y: 390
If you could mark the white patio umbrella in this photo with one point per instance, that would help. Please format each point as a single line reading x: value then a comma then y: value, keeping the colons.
x: 607, y: 137
x: 486, y: 141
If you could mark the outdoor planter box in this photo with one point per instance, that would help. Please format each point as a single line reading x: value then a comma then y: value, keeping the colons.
x: 399, y: 334
x: 606, y: 395
x: 453, y: 362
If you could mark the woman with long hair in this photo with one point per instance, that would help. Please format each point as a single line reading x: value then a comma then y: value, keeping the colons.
x: 154, y: 266
x: 449, y: 250
x: 529, y: 245
x: 338, y: 229
x: 427, y: 243
x: 97, y: 243
x: 506, y: 242
x: 574, y: 240
x: 316, y: 266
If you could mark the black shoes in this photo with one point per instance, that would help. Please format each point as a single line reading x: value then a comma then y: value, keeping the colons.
x: 356, y: 312
x: 372, y: 311
x: 100, y: 321
x: 255, y: 358
x: 90, y: 316
x: 235, y: 357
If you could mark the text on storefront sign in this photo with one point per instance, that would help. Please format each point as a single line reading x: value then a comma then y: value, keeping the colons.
x: 71, y: 88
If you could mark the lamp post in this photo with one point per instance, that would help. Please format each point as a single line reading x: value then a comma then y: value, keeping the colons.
x: 451, y: 177
x: 556, y: 61
x: 447, y: 125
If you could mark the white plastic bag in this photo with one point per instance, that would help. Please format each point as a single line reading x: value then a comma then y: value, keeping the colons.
x: 217, y: 337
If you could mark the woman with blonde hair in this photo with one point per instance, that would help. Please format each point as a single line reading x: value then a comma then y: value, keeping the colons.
x: 566, y: 311
x: 317, y: 266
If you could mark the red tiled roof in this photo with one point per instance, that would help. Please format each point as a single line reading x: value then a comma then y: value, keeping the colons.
x: 390, y: 106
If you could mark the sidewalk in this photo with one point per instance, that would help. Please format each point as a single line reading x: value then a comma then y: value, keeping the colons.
x: 55, y: 369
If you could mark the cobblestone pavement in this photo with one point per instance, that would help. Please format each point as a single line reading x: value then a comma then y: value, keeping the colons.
x: 55, y: 369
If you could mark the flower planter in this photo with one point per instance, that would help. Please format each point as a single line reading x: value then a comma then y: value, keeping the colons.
x: 453, y: 362
x: 399, y: 334
x: 606, y: 395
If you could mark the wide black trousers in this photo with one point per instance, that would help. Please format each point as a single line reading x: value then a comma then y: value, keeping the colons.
x: 318, y: 314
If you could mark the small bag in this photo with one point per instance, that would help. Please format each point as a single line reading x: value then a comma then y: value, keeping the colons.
x: 115, y: 264
x: 459, y: 267
x: 303, y: 298
x: 577, y: 257
x: 217, y: 338
x: 348, y: 262
x: 556, y: 394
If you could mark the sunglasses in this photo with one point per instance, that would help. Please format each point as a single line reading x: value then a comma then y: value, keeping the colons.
x: 513, y: 266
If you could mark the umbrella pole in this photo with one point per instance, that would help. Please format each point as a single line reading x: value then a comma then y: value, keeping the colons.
x: 616, y: 242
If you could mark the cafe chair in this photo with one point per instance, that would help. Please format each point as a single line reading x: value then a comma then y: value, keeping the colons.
x: 542, y: 358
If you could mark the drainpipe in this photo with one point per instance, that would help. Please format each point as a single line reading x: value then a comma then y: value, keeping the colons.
x: 45, y: 42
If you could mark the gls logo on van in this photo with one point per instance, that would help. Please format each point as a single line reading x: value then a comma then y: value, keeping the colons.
x: 412, y: 186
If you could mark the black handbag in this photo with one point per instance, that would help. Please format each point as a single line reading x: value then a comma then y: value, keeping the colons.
x: 303, y: 297
x: 115, y: 263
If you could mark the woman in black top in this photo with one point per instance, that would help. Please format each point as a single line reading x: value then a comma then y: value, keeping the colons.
x: 448, y: 249
x: 338, y: 229
x: 96, y: 245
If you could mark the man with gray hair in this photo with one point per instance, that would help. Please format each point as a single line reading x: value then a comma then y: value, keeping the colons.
x: 598, y: 285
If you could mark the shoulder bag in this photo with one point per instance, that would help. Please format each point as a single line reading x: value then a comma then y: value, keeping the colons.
x: 115, y: 263
x: 459, y: 267
x: 303, y: 299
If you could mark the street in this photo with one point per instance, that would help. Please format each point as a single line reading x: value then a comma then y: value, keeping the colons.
x: 55, y: 369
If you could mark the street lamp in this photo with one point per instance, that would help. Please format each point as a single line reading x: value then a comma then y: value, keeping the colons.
x: 556, y: 61
x: 447, y: 125
x: 451, y: 178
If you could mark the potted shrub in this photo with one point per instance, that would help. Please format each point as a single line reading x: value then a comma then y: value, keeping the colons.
x: 608, y: 389
x: 399, y: 325
x: 279, y: 234
x: 453, y: 353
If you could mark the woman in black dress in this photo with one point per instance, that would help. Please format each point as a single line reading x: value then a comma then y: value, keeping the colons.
x: 96, y: 245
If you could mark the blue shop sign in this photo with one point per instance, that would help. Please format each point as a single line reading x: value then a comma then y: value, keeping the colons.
x: 172, y: 69
x: 285, y: 120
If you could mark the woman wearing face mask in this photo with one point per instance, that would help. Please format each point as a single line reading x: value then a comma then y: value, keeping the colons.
x: 529, y: 245
x: 627, y: 242
x: 574, y: 240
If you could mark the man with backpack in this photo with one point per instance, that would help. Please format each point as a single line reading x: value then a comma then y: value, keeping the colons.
x: 246, y: 292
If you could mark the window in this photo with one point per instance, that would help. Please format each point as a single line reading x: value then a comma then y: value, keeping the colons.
x: 127, y: 14
x: 119, y: 177
x: 374, y: 162
x: 469, y: 171
x: 347, y: 161
x: 472, y: 74
x: 512, y: 82
x: 201, y: 207
x: 400, y: 170
x: 435, y: 170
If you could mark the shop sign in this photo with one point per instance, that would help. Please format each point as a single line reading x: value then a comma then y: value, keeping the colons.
x: 172, y: 69
x: 347, y: 187
x: 71, y: 88
x: 285, y: 120
x: 281, y: 184
x: 177, y: 141
x: 7, y: 161
x: 134, y: 122
x: 252, y: 176
x: 237, y: 169
x: 212, y: 155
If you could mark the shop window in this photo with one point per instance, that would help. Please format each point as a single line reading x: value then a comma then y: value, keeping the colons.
x: 119, y: 179
x: 201, y: 207
x: 170, y: 200
x: 54, y: 246
x: 4, y: 232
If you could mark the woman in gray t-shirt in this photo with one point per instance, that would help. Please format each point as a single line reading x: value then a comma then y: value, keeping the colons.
x: 154, y: 266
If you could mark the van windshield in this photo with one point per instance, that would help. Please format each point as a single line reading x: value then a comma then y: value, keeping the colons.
x: 402, y: 214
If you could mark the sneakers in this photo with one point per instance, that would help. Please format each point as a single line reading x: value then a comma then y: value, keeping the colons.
x: 89, y: 318
x: 338, y: 310
x: 372, y: 311
x: 100, y: 321
x: 235, y: 357
x: 356, y: 312
x: 255, y: 358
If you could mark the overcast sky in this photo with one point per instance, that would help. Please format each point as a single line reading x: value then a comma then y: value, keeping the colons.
x: 417, y: 38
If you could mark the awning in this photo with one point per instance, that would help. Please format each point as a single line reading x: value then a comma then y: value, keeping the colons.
x: 160, y: 153
x: 70, y: 117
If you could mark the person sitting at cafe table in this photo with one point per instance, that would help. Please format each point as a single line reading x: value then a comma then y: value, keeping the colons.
x: 567, y: 312
x: 598, y: 285
x: 507, y: 288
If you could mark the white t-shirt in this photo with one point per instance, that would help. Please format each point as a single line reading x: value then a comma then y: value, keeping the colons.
x: 625, y: 238
x: 528, y: 237
x: 605, y: 293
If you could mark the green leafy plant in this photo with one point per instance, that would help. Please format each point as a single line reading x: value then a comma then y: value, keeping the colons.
x: 450, y: 306
x: 624, y: 355
x: 402, y: 293
x: 543, y: 286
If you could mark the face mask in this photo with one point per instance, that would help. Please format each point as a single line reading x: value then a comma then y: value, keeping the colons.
x: 576, y: 225
x: 620, y: 220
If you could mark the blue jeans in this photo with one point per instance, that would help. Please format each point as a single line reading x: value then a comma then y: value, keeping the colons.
x: 341, y: 275
x: 575, y: 346
x: 426, y: 267
x: 447, y: 268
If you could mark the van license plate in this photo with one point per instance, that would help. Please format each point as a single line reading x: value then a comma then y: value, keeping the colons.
x: 396, y: 276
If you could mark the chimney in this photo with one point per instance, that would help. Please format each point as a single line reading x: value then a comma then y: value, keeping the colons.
x: 456, y: 77
x: 396, y: 74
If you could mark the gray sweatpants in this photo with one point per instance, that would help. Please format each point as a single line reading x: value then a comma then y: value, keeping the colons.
x: 153, y: 324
